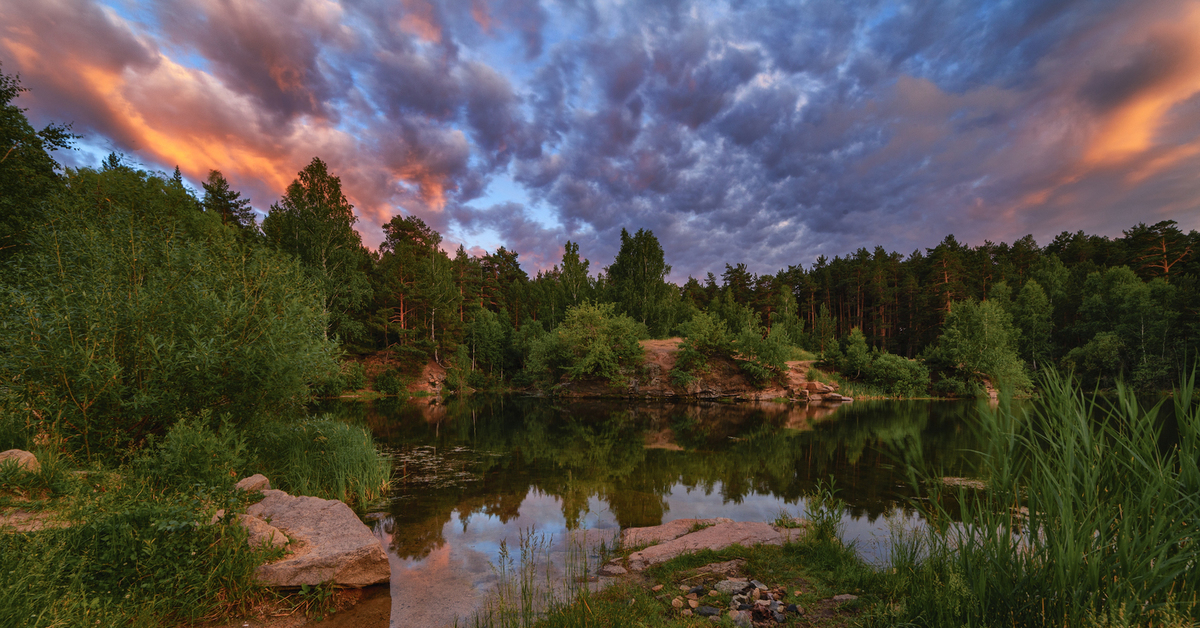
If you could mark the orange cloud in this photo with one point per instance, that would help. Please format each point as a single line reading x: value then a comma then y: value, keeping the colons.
x: 419, y: 20
x: 1131, y: 129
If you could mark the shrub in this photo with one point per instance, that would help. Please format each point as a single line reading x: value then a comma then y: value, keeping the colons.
x: 763, y: 358
x: 193, y: 453
x: 898, y: 376
x: 705, y: 337
x: 592, y: 341
x: 324, y: 458
x: 355, y: 375
x: 390, y: 382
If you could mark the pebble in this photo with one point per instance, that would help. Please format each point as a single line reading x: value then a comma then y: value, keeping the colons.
x: 792, y: 608
x: 707, y: 611
x: 698, y: 589
x: 740, y: 618
x: 684, y: 587
x: 758, y: 585
x: 656, y: 588
x: 714, y: 593
x: 693, y: 603
x: 677, y: 602
x: 778, y: 617
x: 687, y: 612
x: 730, y: 587
x: 796, y: 593
x: 692, y: 596
x: 845, y: 597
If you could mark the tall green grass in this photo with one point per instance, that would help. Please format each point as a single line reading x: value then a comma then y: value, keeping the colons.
x: 1087, y: 519
x: 322, y: 457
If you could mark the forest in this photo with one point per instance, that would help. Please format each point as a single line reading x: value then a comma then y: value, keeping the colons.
x: 129, y: 295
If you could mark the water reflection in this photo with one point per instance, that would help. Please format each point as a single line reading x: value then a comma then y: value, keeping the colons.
x: 485, y: 455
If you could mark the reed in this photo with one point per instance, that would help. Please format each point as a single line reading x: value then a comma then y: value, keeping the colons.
x: 1087, y: 519
x: 323, y: 457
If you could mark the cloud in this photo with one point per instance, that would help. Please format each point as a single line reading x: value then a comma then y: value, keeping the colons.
x: 765, y: 132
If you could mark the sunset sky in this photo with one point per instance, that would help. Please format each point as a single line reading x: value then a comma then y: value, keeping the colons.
x: 760, y: 132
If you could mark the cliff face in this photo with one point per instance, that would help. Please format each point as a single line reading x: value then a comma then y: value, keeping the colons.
x: 724, y: 380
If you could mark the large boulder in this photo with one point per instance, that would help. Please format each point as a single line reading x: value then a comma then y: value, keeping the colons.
x: 329, y: 543
x: 22, y: 459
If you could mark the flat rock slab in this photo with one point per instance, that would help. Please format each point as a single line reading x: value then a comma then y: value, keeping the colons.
x: 330, y: 544
x: 633, y: 537
x: 716, y: 537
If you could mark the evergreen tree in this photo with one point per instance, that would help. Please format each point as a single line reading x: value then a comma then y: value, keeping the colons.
x: 233, y: 210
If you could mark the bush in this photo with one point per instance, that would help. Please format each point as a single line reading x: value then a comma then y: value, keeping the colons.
x: 193, y: 453
x: 324, y: 458
x: 705, y: 337
x: 592, y: 341
x: 390, y: 382
x: 898, y: 376
x: 355, y: 376
x: 763, y: 358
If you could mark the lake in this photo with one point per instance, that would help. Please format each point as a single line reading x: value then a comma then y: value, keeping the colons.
x: 481, y: 471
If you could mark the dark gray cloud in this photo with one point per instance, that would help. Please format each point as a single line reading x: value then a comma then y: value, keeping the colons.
x: 759, y: 131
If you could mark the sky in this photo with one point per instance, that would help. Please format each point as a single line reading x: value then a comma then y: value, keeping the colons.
x: 756, y: 132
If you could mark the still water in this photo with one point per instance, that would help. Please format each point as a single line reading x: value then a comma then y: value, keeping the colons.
x: 480, y: 471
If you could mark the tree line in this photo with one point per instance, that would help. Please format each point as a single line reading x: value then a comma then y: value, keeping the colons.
x: 127, y: 293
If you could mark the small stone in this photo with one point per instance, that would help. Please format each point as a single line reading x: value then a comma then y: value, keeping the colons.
x: 697, y: 590
x: 677, y: 602
x: 684, y: 587
x: 707, y: 611
x: 256, y: 482
x: 778, y: 617
x: 693, y: 603
x: 687, y: 612
x: 758, y: 585
x: 744, y: 607
x: 692, y: 596
x: 714, y: 593
x: 740, y: 618
x: 730, y: 587
x: 656, y: 588
x: 845, y: 597
x: 796, y: 593
x: 792, y: 608
x: 612, y: 570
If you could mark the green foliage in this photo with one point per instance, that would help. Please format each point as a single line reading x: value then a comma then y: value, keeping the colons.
x: 705, y: 337
x: 1032, y: 313
x: 355, y: 375
x: 978, y: 342
x: 233, y: 210
x: 28, y: 174
x: 132, y: 308
x: 592, y: 341
x: 898, y: 376
x: 321, y: 457
x: 1114, y: 510
x: 193, y: 452
x: 132, y: 556
x: 314, y: 222
x: 856, y: 357
x: 638, y: 280
x: 763, y: 358
x: 390, y: 382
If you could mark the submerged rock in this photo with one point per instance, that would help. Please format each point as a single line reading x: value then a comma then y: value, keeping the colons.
x: 330, y: 543
x: 716, y: 537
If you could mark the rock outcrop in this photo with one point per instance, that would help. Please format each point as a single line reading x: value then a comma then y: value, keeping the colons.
x: 22, y: 459
x: 329, y: 543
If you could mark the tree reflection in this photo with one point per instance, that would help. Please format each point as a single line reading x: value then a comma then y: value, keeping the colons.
x: 483, y: 454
